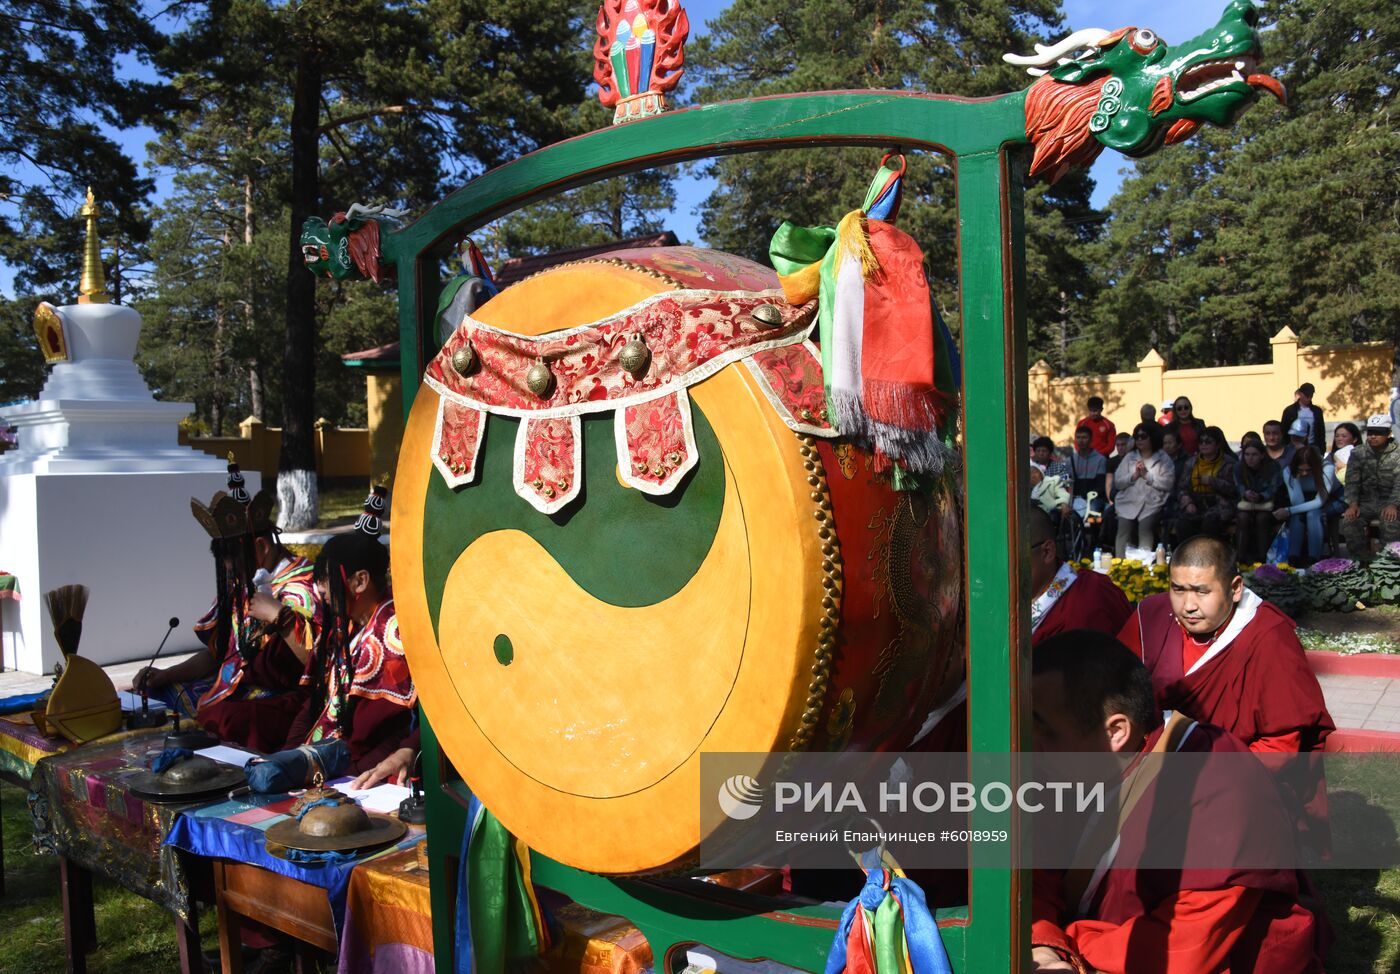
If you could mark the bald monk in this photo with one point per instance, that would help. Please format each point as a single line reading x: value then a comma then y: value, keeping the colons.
x: 1091, y: 694
x: 1220, y: 654
x: 1063, y: 599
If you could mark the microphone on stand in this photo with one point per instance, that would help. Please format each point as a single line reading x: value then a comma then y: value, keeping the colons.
x: 143, y: 719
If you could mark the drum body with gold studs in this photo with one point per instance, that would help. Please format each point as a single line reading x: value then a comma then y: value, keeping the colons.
x: 624, y: 536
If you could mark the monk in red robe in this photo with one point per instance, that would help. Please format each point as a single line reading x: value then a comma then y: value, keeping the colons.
x: 1063, y: 599
x: 1091, y: 694
x: 1220, y: 654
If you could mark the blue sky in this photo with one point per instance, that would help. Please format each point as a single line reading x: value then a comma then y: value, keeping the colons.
x: 1173, y: 21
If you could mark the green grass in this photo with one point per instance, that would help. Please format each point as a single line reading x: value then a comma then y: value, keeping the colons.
x: 340, y: 503
x: 1364, y: 907
x: 133, y: 934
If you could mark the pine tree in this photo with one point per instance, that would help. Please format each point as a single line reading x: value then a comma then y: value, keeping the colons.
x: 379, y: 96
x: 211, y: 323
x: 1292, y: 218
x: 21, y: 362
x: 761, y: 47
x: 601, y: 212
x: 61, y: 92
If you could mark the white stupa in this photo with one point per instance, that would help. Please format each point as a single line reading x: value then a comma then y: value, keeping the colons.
x: 98, y: 491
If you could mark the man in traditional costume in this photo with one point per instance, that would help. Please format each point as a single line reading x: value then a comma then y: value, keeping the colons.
x: 397, y: 767
x: 258, y: 633
x: 1090, y: 694
x: 1062, y: 598
x: 1220, y: 654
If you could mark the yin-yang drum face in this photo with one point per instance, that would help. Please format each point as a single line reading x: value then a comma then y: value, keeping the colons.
x: 600, y: 583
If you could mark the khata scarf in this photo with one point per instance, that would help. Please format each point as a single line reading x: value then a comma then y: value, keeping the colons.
x: 887, y: 929
x: 498, y: 919
x: 875, y: 325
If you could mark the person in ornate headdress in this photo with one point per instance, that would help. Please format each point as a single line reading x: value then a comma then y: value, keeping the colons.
x: 258, y: 633
x: 361, y: 692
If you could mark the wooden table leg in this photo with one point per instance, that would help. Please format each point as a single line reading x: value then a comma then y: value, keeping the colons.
x: 187, y: 942
x: 305, y: 957
x: 79, y: 927
x: 230, y: 939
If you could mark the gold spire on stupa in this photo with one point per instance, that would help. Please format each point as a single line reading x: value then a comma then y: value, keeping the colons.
x: 92, y: 288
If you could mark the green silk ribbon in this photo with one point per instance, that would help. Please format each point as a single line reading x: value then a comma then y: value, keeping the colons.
x: 502, y: 917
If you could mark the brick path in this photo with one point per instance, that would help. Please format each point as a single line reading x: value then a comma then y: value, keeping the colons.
x: 1362, y: 702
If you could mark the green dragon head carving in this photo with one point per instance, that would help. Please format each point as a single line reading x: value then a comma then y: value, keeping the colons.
x: 1129, y: 90
x: 347, y: 245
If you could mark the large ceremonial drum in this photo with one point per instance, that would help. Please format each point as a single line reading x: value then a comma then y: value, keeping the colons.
x: 625, y: 535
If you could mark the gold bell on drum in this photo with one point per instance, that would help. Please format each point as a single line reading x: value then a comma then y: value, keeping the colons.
x: 768, y: 316
x: 635, y: 357
x: 539, y: 380
x: 464, y: 360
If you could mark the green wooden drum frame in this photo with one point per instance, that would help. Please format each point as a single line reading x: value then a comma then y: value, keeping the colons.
x: 983, y: 138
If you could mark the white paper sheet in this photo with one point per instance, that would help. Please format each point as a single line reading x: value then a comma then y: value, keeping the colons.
x: 227, y: 755
x: 383, y: 798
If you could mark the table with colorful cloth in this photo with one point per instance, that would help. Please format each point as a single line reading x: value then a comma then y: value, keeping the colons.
x: 84, y: 812
x: 389, y: 927
x: 388, y: 918
x: 22, y: 747
x: 236, y: 830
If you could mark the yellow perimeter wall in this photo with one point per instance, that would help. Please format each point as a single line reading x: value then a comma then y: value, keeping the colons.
x: 1352, y: 381
x: 343, y: 454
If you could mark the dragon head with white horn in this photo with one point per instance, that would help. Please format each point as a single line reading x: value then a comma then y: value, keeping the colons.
x: 1129, y: 90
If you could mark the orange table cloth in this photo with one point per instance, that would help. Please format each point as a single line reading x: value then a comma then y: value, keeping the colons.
x: 389, y: 928
x: 388, y: 917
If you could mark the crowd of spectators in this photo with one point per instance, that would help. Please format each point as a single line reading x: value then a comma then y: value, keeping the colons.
x: 1175, y: 477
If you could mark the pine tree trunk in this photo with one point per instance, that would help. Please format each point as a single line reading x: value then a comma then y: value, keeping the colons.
x: 255, y: 391
x: 296, y: 467
x: 216, y: 406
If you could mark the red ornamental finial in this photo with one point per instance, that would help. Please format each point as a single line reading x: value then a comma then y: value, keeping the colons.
x: 639, y: 55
